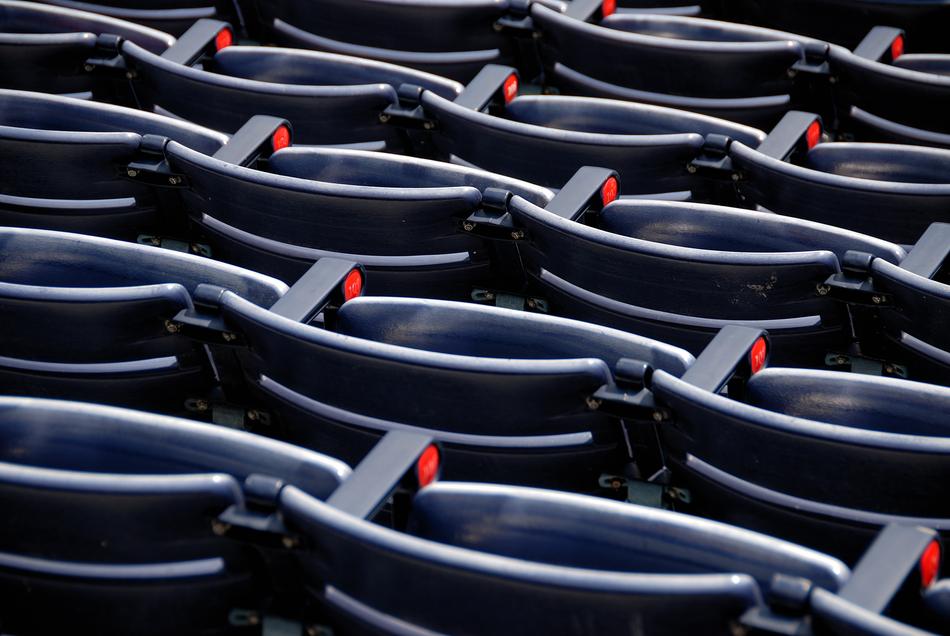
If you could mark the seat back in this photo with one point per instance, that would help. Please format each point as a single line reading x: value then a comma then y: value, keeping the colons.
x: 797, y: 428
x: 395, y: 215
x: 461, y: 391
x: 549, y: 156
x: 79, y: 313
x: 44, y: 47
x: 118, y: 506
x: 644, y: 56
x: 892, y: 210
x: 171, y: 16
x: 321, y: 114
x: 60, y: 156
x: 921, y: 306
x: 443, y: 588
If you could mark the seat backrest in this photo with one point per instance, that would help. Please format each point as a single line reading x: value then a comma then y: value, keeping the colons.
x: 44, y: 47
x: 294, y: 66
x: 894, y: 211
x: 346, y: 218
x: 550, y: 156
x: 668, y: 65
x: 448, y: 589
x: 61, y: 148
x: 871, y: 86
x: 320, y: 114
x: 776, y: 280
x: 799, y: 429
x: 102, y: 300
x: 118, y: 506
x: 407, y: 25
x: 921, y: 306
x: 454, y: 392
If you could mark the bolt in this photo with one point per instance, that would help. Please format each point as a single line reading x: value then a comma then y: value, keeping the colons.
x: 593, y: 403
x: 823, y: 289
x: 228, y: 336
x: 735, y: 176
x: 468, y: 226
x: 172, y: 327
x: 174, y: 180
x: 792, y: 72
x: 517, y: 235
x: 132, y: 173
x: 201, y: 405
x: 428, y: 125
x: 877, y: 300
x: 841, y: 360
x: 88, y: 68
x: 489, y: 296
x: 253, y: 415
x: 659, y: 415
x: 889, y: 369
x: 383, y: 117
x: 531, y: 303
x: 690, y: 168
x: 290, y: 542
x: 219, y: 527
x: 130, y: 74
x: 497, y: 27
x: 615, y: 484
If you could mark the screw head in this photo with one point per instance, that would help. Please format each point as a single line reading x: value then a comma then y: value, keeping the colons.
x: 877, y: 300
x: 132, y: 173
x: 690, y: 168
x: 517, y: 234
x: 735, y: 176
x: 88, y: 68
x: 383, y: 117
x: 428, y: 125
x: 172, y: 327
x: 228, y: 336
x: 467, y: 226
x: 219, y: 527
x: 174, y: 180
x: 823, y: 289
x: 593, y: 403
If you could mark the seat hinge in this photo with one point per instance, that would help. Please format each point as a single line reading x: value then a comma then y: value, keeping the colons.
x: 713, y: 159
x: 257, y: 519
x: 151, y: 166
x: 788, y: 600
x: 408, y: 111
x: 853, y: 285
x: 106, y: 54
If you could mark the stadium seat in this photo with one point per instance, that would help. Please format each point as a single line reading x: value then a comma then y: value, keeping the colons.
x: 88, y: 318
x: 733, y: 71
x: 546, y: 138
x: 64, y: 165
x: 507, y: 392
x: 890, y: 95
x: 55, y: 50
x: 453, y: 38
x: 171, y: 16
x: 278, y: 212
x: 887, y: 190
x: 679, y: 272
x: 821, y: 458
x: 331, y: 99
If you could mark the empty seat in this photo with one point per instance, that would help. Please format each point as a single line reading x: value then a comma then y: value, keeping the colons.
x: 331, y: 99
x: 891, y: 191
x: 63, y: 164
x: 819, y: 457
x: 545, y: 139
x: 86, y: 317
x: 171, y: 16
x: 727, y: 70
x: 843, y: 22
x: 46, y: 48
x: 482, y: 559
x: 508, y: 393
x: 679, y: 272
x: 453, y: 38
x: 117, y: 525
x: 892, y: 95
x: 398, y: 216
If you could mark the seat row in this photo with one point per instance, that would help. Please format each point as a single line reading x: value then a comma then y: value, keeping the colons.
x: 132, y: 522
x: 743, y: 73
x: 436, y: 229
x: 514, y: 397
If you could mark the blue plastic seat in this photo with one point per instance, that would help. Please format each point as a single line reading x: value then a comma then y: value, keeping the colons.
x: 679, y: 272
x: 62, y: 163
x: 483, y: 559
x: 843, y: 22
x: 87, y: 318
x: 454, y: 38
x: 887, y: 190
x: 117, y: 525
x: 398, y: 216
x: 331, y: 99
x: 722, y: 69
x: 45, y: 48
x: 507, y: 393
x: 819, y: 457
x: 171, y: 16
x: 901, y: 99
x: 545, y: 139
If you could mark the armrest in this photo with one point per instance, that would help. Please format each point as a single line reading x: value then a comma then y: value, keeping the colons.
x: 401, y: 461
x: 881, y: 44
x: 586, y: 10
x: 328, y: 283
x: 930, y: 252
x: 259, y: 138
x: 735, y: 353
x: 797, y: 131
x: 589, y: 189
x: 492, y: 88
x: 205, y: 37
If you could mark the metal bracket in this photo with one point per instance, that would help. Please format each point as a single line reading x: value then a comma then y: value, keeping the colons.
x: 853, y: 285
x: 174, y: 245
x: 714, y: 157
x: 509, y: 301
x: 407, y: 112
x: 257, y: 519
x: 151, y: 166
